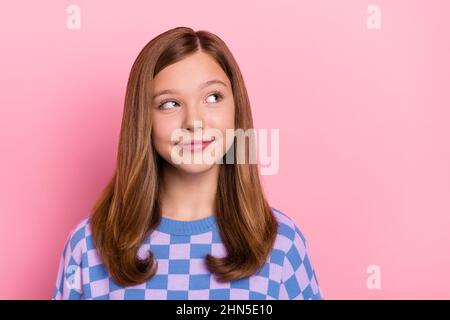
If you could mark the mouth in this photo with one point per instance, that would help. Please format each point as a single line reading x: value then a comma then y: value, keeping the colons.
x: 195, y: 145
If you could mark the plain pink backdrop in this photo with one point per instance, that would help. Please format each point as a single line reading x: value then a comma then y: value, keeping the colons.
x: 363, y: 118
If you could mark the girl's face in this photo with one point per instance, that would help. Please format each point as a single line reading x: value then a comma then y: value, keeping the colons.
x: 196, y: 105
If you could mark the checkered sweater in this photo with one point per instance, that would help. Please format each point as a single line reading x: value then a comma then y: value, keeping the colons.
x: 179, y: 248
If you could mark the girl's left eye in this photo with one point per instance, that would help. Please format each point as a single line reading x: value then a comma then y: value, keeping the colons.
x: 218, y: 94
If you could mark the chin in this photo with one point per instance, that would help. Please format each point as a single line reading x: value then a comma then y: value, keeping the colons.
x: 194, y: 168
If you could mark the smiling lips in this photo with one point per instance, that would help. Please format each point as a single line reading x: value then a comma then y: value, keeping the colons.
x: 195, y: 145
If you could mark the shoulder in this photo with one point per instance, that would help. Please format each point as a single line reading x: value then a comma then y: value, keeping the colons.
x: 79, y: 238
x: 298, y: 277
x: 289, y: 232
x: 69, y: 278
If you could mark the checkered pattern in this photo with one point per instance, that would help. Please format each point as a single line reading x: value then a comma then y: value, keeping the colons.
x: 179, y: 248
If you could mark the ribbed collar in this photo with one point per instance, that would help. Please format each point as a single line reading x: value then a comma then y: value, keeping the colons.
x: 179, y: 227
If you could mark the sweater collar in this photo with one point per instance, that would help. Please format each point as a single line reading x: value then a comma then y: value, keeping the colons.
x: 179, y: 227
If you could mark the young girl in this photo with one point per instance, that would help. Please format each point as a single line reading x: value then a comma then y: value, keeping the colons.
x: 170, y: 229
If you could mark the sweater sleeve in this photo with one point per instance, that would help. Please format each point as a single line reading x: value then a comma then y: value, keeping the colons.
x: 68, y: 280
x: 299, y: 280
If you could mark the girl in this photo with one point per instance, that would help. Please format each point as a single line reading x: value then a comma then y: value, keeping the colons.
x: 170, y: 229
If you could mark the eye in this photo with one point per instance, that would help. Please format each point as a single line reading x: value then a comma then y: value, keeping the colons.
x: 171, y: 104
x: 216, y: 93
x: 166, y: 106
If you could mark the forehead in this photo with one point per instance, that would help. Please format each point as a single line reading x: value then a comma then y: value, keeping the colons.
x: 188, y: 73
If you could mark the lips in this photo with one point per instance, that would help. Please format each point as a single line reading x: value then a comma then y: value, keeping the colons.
x: 195, y: 145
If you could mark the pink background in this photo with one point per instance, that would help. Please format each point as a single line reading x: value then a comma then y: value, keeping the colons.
x: 363, y: 118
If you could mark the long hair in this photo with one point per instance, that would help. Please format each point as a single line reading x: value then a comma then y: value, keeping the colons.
x: 128, y: 209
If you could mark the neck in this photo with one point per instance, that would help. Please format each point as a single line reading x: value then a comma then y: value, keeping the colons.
x: 188, y: 196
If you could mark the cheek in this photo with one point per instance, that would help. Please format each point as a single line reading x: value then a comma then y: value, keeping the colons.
x: 162, y: 132
x: 222, y: 120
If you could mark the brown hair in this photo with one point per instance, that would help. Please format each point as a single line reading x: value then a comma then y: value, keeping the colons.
x: 128, y: 208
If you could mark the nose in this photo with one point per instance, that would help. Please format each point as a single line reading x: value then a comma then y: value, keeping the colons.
x: 193, y: 120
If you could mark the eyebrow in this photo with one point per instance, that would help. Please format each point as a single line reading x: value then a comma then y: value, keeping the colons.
x: 203, y: 85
